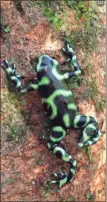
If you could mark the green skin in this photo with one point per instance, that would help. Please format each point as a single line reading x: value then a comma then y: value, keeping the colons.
x: 60, y: 107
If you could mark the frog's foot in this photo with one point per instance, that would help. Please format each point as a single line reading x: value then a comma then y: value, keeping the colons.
x: 11, y: 72
x: 90, y: 136
x: 9, y: 68
x: 91, y: 133
x: 61, y: 178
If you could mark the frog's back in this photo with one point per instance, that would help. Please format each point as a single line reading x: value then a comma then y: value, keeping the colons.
x: 58, y: 100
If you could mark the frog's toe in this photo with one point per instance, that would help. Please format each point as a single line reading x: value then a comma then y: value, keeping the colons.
x: 59, y: 175
x: 55, y: 174
x: 13, y: 66
x: 54, y: 182
x: 61, y: 178
x: 64, y: 50
x: 80, y: 144
x: 19, y: 76
x: 5, y: 64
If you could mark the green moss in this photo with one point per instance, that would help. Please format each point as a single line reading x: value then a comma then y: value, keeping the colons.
x: 13, y: 134
x: 84, y: 11
x: 8, y: 180
x: 47, y: 190
x: 53, y: 18
x: 10, y: 105
x: 41, y: 3
x: 89, y: 68
x: 87, y: 40
x: 86, y: 37
x: 92, y: 92
x: 16, y: 133
x: 13, y: 118
x: 48, y: 10
x: 75, y: 82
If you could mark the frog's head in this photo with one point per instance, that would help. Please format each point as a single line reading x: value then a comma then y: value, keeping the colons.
x: 45, y: 63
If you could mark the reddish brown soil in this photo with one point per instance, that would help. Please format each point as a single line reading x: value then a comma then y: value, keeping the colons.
x: 27, y: 164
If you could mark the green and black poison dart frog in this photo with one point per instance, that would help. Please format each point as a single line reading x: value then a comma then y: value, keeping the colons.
x: 60, y: 107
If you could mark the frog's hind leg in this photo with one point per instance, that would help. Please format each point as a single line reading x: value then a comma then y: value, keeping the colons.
x: 91, y: 133
x: 56, y: 136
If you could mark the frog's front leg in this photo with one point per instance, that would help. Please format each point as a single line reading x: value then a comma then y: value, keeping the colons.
x: 73, y: 59
x: 11, y: 72
x: 91, y: 133
x: 56, y: 136
x: 71, y: 56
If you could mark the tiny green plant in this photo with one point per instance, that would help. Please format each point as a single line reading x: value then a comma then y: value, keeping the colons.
x: 71, y: 198
x: 101, y: 104
x: 23, y: 102
x: 89, y: 196
x: 99, y: 191
x: 46, y: 195
x: 13, y: 134
x: 6, y: 28
x: 89, y: 68
x: 88, y: 152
